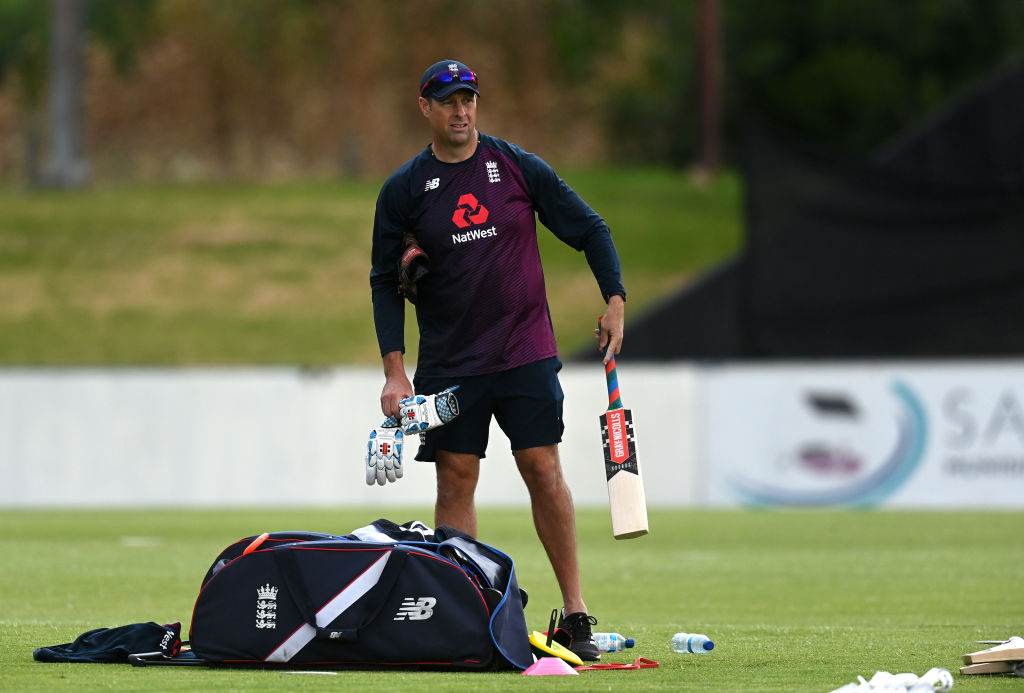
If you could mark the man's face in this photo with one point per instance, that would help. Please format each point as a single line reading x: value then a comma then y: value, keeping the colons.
x: 453, y: 119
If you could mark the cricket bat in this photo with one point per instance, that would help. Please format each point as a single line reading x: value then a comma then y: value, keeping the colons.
x: 1010, y: 651
x: 626, y: 497
x: 990, y: 668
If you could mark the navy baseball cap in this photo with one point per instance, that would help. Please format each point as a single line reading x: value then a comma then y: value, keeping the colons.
x: 446, y: 77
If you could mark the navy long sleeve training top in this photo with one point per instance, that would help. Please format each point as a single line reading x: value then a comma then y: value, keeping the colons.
x: 482, y: 308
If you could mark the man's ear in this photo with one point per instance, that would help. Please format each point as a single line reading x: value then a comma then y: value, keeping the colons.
x: 425, y: 107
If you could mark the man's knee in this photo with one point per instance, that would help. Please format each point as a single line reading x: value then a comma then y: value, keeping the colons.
x: 456, y: 476
x: 539, y: 467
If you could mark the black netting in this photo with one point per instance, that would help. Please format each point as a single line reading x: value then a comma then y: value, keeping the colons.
x: 976, y: 139
x: 849, y: 259
x: 916, y: 252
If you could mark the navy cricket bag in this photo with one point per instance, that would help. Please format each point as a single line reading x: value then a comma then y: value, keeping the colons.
x: 289, y: 598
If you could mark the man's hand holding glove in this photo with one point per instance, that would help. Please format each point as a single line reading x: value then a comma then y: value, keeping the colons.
x: 420, y: 413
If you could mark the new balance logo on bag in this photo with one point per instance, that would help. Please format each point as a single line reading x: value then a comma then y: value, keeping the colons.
x: 416, y: 609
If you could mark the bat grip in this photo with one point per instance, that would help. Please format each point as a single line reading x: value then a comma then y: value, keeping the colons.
x: 614, y: 398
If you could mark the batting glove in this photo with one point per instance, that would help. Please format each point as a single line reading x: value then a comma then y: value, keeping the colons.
x: 421, y: 413
x: 384, y: 455
x: 412, y: 266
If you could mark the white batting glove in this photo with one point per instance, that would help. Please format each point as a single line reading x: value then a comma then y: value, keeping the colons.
x: 384, y: 455
x: 421, y: 413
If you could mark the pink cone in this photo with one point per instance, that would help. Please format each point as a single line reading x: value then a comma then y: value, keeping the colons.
x: 550, y: 666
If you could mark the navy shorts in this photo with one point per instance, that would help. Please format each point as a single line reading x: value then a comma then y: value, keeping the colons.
x: 525, y: 401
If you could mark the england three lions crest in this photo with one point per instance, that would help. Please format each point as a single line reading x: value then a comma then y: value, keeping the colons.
x: 266, y: 606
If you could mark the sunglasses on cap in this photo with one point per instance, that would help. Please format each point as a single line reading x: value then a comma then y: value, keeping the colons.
x: 447, y: 77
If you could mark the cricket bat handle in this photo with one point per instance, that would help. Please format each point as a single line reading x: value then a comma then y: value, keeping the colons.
x: 614, y: 398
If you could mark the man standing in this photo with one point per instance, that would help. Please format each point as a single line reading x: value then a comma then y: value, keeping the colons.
x: 467, y: 202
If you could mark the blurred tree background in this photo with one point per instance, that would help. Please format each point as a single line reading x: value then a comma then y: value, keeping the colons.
x: 201, y: 89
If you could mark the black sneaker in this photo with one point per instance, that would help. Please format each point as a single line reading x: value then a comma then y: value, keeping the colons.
x: 581, y: 636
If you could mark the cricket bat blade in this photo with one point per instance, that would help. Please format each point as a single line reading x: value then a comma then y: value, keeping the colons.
x: 626, y: 497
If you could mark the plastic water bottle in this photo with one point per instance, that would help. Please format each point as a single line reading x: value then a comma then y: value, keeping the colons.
x: 612, y: 642
x: 692, y: 642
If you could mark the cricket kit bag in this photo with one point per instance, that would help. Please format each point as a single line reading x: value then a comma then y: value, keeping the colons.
x: 382, y: 596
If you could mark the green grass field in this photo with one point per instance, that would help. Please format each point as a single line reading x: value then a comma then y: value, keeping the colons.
x: 277, y: 274
x: 247, y: 273
x: 795, y: 601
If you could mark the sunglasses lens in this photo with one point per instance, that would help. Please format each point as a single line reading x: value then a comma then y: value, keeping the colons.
x: 446, y: 77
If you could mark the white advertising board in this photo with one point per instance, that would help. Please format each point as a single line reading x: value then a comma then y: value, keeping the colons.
x: 260, y: 436
x: 915, y: 435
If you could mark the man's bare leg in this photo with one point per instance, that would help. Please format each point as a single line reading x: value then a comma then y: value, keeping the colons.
x: 457, y: 475
x: 554, y: 518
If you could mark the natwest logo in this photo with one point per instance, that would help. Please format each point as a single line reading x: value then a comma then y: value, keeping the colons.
x: 469, y: 211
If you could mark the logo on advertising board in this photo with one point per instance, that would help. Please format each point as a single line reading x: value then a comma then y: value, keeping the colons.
x: 983, y: 434
x: 830, y: 459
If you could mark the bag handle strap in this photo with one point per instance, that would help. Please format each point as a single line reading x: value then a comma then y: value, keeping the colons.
x: 370, y: 589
